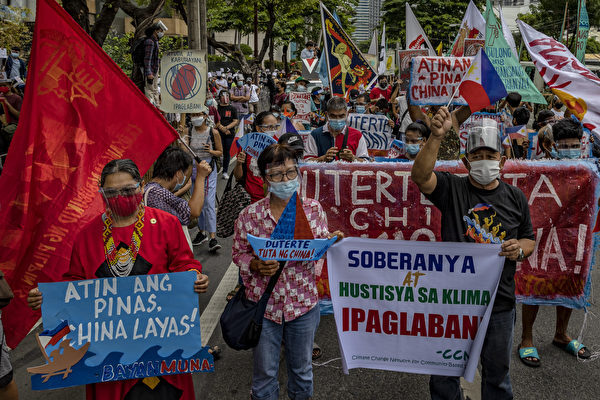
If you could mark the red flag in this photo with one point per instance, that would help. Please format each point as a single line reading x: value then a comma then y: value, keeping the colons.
x: 80, y: 111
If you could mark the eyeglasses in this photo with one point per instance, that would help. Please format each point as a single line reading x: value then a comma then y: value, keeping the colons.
x: 270, y: 127
x: 278, y: 176
x: 124, y: 191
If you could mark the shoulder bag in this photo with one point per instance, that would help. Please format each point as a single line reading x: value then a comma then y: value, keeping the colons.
x: 234, y: 200
x: 241, y: 321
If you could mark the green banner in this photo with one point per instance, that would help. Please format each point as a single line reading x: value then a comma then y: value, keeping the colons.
x: 582, y: 33
x: 504, y: 61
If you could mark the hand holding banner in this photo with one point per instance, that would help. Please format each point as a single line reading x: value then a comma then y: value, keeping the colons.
x: 416, y: 307
x: 113, y: 329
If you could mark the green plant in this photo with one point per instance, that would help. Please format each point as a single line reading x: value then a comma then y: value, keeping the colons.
x: 13, y: 31
x: 118, y: 48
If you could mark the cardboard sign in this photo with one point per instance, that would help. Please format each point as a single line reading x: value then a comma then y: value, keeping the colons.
x: 375, y: 129
x: 472, y: 46
x: 183, y: 81
x: 379, y: 200
x: 433, y: 80
x: 413, y: 306
x: 110, y: 329
x: 302, y: 101
x: 405, y: 57
x: 290, y: 249
x: 254, y: 143
x: 3, y: 53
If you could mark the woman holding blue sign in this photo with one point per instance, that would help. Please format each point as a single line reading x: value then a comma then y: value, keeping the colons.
x: 292, y: 313
x: 131, y: 239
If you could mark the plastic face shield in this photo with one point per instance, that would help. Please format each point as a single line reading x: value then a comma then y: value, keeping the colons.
x: 484, y: 133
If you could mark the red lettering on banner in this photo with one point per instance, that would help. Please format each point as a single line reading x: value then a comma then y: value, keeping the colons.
x: 380, y: 201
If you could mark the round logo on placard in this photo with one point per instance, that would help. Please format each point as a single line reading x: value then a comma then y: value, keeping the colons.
x: 183, y: 81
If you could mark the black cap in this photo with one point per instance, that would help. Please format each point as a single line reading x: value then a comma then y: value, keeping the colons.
x: 293, y: 140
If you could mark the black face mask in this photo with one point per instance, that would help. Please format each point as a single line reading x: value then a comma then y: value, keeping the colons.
x: 383, y: 84
x: 558, y: 105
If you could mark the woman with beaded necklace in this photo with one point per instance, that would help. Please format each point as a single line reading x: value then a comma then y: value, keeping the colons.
x: 131, y: 239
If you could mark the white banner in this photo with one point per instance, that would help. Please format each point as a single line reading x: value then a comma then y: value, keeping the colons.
x: 415, y: 35
x: 434, y: 79
x: 418, y: 307
x: 571, y: 81
x: 302, y: 102
x: 183, y: 81
x: 472, y: 26
x: 375, y: 129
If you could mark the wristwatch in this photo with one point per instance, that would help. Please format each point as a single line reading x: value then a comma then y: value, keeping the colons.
x: 521, y: 256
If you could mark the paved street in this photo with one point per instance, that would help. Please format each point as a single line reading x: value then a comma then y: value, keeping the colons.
x: 560, y: 377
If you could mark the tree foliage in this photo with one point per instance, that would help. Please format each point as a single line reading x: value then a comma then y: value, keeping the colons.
x: 547, y: 17
x: 440, y: 19
x: 13, y: 31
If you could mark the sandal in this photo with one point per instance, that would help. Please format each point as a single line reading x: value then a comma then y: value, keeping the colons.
x: 573, y: 348
x: 216, y: 352
x: 316, y: 352
x: 529, y: 352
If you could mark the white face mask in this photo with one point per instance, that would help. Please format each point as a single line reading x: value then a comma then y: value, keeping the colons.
x: 485, y: 171
x: 197, y: 121
x: 160, y: 34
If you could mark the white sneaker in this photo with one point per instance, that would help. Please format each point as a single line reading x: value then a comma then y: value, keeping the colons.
x: 225, y: 175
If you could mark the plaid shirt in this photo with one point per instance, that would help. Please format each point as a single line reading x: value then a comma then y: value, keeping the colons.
x: 295, y: 293
x: 150, y: 57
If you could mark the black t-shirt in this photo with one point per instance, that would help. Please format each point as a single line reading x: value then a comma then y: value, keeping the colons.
x: 227, y: 113
x: 474, y: 215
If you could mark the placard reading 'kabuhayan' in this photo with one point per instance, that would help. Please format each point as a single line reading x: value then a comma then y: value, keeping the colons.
x: 375, y: 129
x: 413, y: 306
x: 111, y: 329
x: 433, y: 80
x: 379, y: 200
x: 290, y: 249
x: 254, y: 143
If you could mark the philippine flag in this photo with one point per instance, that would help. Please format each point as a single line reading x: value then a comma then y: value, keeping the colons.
x: 516, y: 132
x: 481, y: 85
x: 50, y: 338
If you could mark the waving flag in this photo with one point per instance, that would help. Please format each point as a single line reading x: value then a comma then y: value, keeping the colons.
x: 516, y: 132
x: 471, y: 27
x: 82, y: 111
x: 508, y: 35
x: 287, y: 126
x: 348, y: 68
x: 569, y: 79
x: 415, y: 35
x: 373, y: 45
x: 382, y: 57
x: 507, y: 65
x: 481, y: 85
x: 583, y: 31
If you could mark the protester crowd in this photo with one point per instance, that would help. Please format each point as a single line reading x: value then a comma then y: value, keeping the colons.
x: 181, y: 190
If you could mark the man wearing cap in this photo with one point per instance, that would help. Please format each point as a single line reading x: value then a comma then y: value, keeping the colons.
x: 151, y: 62
x: 15, y: 67
x: 300, y: 84
x: 221, y: 82
x: 335, y: 140
x: 463, y: 202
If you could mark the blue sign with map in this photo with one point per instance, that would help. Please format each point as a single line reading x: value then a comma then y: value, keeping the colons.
x: 110, y: 329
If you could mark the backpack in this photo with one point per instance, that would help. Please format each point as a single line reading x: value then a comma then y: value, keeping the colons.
x: 138, y: 51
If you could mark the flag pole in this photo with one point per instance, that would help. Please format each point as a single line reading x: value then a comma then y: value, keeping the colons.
x: 198, y: 159
x: 456, y: 88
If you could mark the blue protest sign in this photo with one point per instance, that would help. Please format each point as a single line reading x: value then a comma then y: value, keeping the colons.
x: 290, y: 249
x: 254, y: 143
x: 398, y: 149
x: 111, y: 329
x: 292, y: 238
